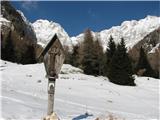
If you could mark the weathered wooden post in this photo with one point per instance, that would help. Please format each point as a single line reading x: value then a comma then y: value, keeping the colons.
x: 53, y: 56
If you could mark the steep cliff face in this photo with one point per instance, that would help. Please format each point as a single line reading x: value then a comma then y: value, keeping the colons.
x: 19, y: 24
x: 151, y: 44
x: 16, y: 30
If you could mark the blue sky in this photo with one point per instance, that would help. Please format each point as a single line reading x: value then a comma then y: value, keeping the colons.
x: 76, y: 16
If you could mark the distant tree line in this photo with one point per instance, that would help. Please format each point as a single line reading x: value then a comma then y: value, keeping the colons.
x: 143, y: 67
x: 114, y: 63
x: 10, y: 52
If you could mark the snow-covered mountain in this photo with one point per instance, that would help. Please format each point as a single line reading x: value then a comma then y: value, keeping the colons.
x: 132, y: 31
x: 144, y: 32
x: 45, y: 30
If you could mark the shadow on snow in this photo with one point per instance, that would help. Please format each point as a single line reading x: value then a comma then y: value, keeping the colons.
x: 83, y: 116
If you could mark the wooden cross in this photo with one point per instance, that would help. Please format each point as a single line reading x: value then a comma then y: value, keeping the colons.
x: 53, y: 55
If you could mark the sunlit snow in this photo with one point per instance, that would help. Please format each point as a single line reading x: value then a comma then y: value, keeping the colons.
x: 24, y: 95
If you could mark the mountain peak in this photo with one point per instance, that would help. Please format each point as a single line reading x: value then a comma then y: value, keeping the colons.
x: 151, y: 17
x: 132, y: 31
x: 45, y: 30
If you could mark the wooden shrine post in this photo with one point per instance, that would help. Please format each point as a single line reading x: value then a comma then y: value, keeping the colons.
x: 53, y: 56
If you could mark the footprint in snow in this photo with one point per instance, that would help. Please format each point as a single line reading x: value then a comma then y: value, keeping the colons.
x: 28, y: 75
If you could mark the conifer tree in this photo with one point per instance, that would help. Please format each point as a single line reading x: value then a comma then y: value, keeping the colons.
x: 67, y: 55
x: 87, y: 60
x: 92, y: 55
x: 75, y: 56
x: 98, y: 61
x: 2, y: 48
x: 109, y: 54
x: 29, y: 56
x: 8, y: 52
x: 143, y: 64
x: 121, y: 69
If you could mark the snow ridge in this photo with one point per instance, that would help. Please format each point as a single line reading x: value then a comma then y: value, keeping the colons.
x: 23, y: 17
x: 132, y: 31
x: 45, y: 30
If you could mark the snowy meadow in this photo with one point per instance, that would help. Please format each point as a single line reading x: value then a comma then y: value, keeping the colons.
x: 78, y: 96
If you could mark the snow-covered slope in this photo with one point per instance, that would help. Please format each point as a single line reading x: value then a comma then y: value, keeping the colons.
x: 132, y: 31
x: 4, y: 21
x: 45, y: 30
x: 24, y: 95
x: 23, y: 17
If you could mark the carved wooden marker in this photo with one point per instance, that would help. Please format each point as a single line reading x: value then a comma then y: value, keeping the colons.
x: 53, y: 55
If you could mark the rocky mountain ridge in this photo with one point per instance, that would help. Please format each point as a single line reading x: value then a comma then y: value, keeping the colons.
x: 132, y: 31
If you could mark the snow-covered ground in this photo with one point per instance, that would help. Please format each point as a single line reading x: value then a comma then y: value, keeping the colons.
x: 24, y: 95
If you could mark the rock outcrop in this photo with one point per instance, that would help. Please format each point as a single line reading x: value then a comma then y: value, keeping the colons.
x: 15, y: 28
x: 151, y: 44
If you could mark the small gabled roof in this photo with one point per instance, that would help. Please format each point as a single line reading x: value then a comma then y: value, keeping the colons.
x: 49, y: 45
